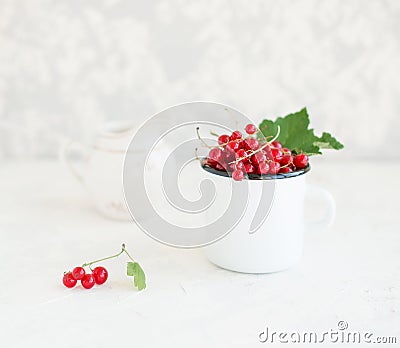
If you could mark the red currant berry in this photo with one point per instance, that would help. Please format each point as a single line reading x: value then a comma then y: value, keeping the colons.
x: 68, y: 280
x: 286, y: 159
x: 228, y: 156
x: 251, y: 129
x: 276, y: 144
x: 211, y: 163
x: 100, y: 275
x: 236, y: 135
x: 249, y: 168
x: 78, y: 273
x: 300, y: 160
x: 232, y: 146
x: 240, y: 153
x: 88, y: 281
x: 286, y: 151
x: 237, y: 175
x: 258, y: 157
x: 285, y: 170
x: 223, y: 139
x: 239, y: 165
x: 274, y: 167
x: 276, y: 154
x: 251, y: 144
x: 263, y: 168
x: 215, y: 154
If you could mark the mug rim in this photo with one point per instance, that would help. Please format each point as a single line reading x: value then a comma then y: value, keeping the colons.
x: 225, y: 174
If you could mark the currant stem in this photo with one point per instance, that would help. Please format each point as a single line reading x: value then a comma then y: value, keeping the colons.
x: 214, y: 134
x: 203, y: 142
x: 259, y: 149
x: 123, y: 250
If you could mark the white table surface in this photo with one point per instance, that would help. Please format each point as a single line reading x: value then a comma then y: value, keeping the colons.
x: 47, y: 225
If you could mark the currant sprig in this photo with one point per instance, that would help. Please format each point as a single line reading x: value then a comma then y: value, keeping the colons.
x: 99, y: 274
x: 240, y: 155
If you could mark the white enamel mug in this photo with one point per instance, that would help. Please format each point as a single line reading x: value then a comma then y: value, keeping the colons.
x: 278, y: 242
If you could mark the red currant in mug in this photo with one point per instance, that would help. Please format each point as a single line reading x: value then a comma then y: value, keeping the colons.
x: 274, y: 167
x: 215, y: 154
x: 100, y: 275
x: 223, y: 139
x: 300, y: 160
x: 276, y: 154
x: 236, y: 135
x: 250, y: 129
x: 263, y: 168
x: 232, y: 146
x: 285, y: 170
x: 237, y: 175
x: 276, y: 144
x: 249, y: 168
x: 88, y: 281
x: 68, y: 280
x: 258, y: 157
x: 286, y: 159
x: 78, y: 273
x: 251, y: 144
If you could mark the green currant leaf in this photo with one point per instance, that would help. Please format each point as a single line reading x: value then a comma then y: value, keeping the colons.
x: 295, y: 134
x: 327, y: 141
x: 134, y: 270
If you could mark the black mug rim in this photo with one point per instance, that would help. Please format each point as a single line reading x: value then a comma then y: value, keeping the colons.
x: 225, y: 174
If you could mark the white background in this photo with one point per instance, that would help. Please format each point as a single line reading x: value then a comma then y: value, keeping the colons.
x: 66, y: 66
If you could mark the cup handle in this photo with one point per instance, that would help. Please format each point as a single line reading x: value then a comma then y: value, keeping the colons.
x: 79, y: 149
x: 330, y: 213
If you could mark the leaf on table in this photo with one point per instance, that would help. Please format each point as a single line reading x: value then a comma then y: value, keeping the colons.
x: 139, y: 278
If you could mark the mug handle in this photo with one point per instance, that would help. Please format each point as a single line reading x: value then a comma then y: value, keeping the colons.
x: 330, y: 213
x: 70, y: 147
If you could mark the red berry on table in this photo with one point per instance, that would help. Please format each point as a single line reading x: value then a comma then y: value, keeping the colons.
x: 276, y: 144
x: 232, y: 146
x: 285, y: 170
x: 251, y: 129
x: 300, y: 160
x: 88, y: 281
x: 237, y: 175
x: 100, y: 275
x: 286, y: 159
x: 249, y: 168
x: 68, y: 280
x: 263, y: 168
x: 236, y: 135
x: 215, y: 154
x: 78, y: 273
x: 274, y: 167
x: 276, y: 154
x: 223, y: 139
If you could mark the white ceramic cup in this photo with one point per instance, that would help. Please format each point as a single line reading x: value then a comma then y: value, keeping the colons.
x: 278, y: 243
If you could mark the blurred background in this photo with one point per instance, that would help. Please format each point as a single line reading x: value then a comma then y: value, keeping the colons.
x: 68, y: 66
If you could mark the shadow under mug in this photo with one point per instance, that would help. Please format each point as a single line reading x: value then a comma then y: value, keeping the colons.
x: 278, y: 242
